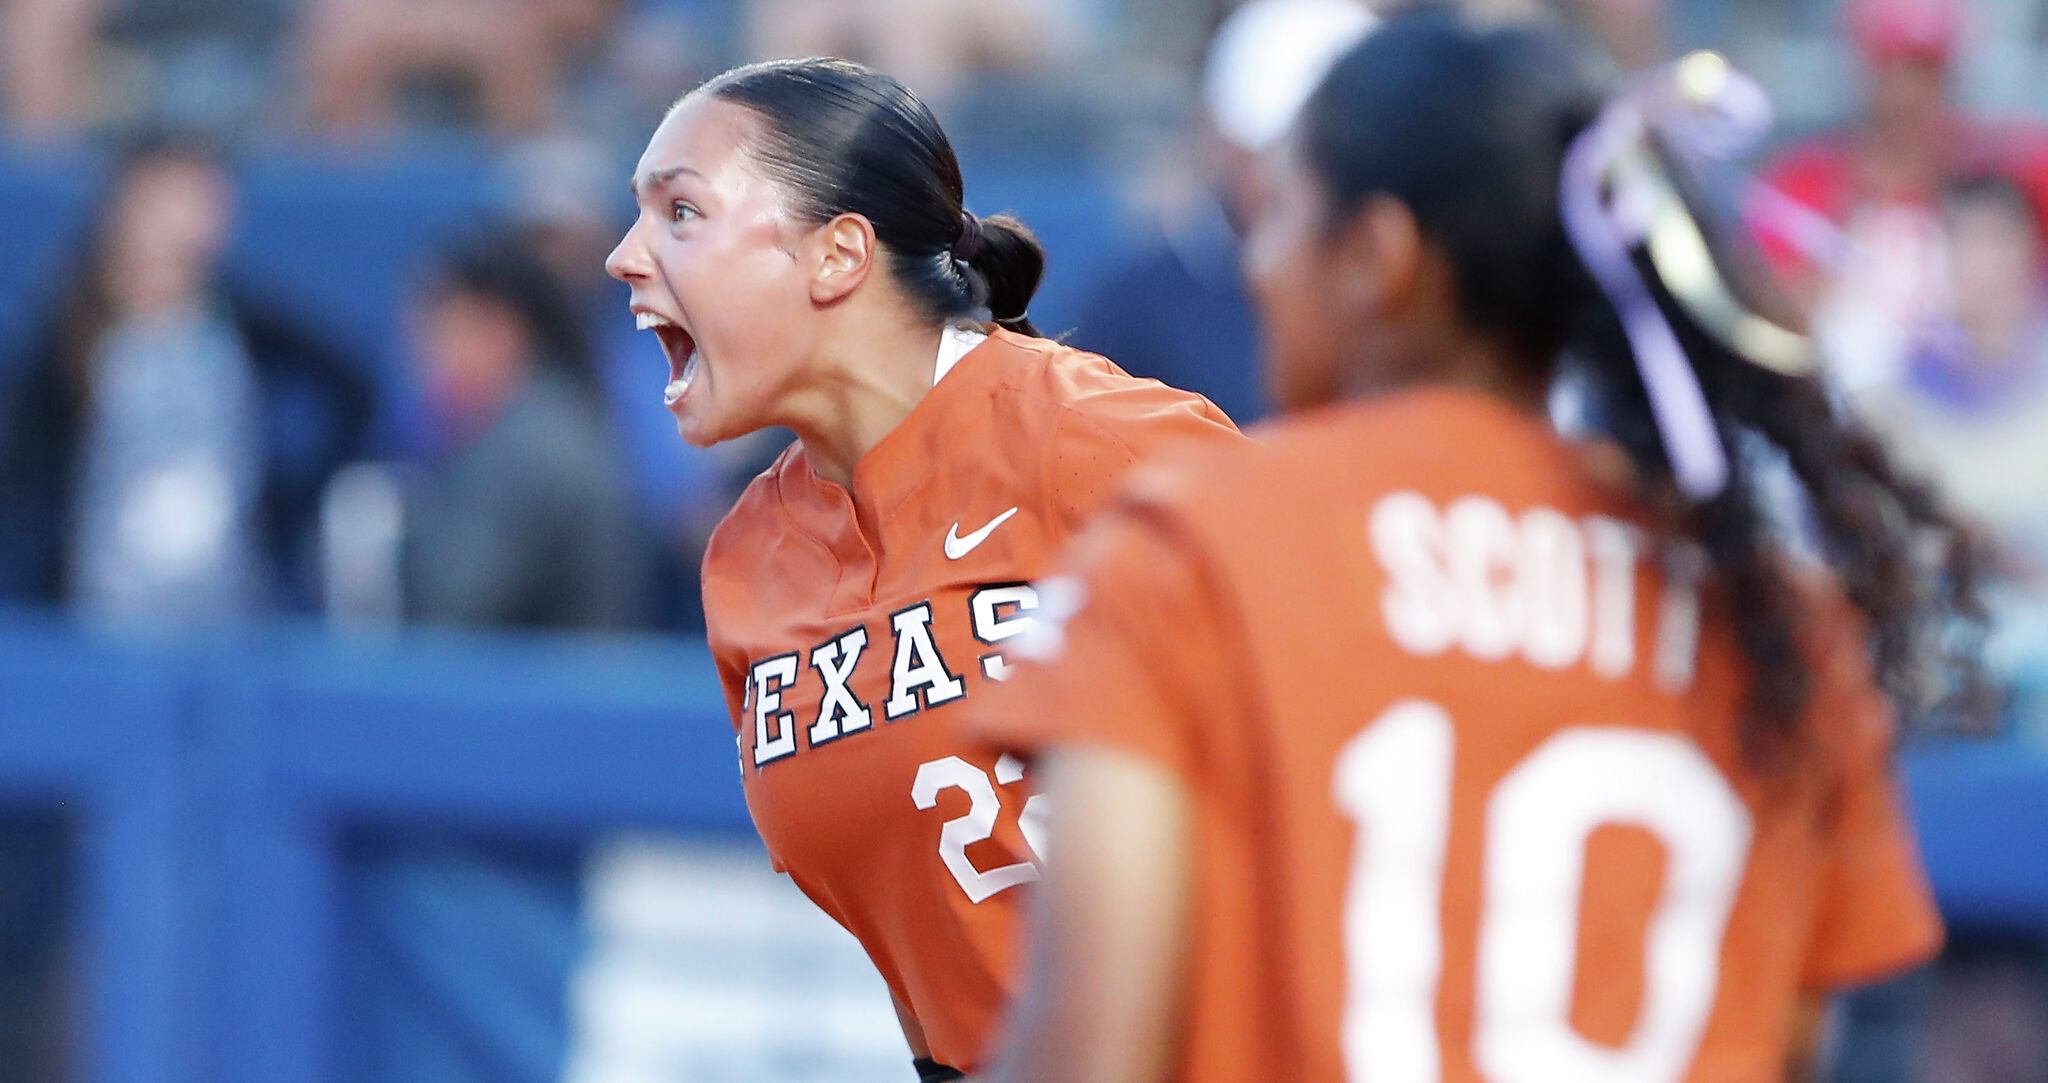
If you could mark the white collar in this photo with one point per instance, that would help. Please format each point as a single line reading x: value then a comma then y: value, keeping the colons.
x: 954, y: 344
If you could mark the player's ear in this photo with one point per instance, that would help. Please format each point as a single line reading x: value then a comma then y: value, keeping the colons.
x: 1378, y: 257
x: 845, y: 250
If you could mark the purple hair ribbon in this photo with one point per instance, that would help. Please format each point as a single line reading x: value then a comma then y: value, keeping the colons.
x: 1702, y: 108
x: 1603, y: 240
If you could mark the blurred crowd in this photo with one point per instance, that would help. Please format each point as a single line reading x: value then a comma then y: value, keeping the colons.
x: 178, y: 449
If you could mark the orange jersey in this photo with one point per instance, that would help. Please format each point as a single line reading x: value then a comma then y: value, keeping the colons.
x: 849, y: 626
x: 1463, y: 759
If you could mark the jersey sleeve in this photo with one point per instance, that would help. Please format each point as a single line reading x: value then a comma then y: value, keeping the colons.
x: 1875, y: 913
x: 1131, y: 653
x: 732, y: 680
x: 1096, y: 441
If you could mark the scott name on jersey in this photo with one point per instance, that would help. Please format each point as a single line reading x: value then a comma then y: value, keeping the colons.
x: 1554, y: 590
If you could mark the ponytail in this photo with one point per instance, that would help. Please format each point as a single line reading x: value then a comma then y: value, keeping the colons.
x: 1910, y: 568
x: 1003, y: 262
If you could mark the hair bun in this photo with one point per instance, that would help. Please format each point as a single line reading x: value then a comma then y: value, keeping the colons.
x: 1010, y: 261
x: 969, y: 243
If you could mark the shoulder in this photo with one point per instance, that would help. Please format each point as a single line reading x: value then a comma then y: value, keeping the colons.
x: 1432, y: 437
x: 1086, y: 421
x: 1056, y: 382
x: 1089, y: 396
x: 1441, y: 444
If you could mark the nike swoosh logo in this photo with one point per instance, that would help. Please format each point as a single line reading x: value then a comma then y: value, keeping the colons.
x: 957, y: 547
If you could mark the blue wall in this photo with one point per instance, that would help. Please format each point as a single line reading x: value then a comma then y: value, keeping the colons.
x: 215, y: 784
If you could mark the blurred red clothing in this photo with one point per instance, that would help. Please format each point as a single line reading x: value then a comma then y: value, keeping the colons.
x: 1827, y: 174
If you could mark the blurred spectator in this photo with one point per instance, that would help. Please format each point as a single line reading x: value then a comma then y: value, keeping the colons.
x: 656, y: 50
x: 1972, y: 409
x: 162, y: 453
x: 935, y: 47
x: 1880, y: 181
x: 1632, y: 30
x: 70, y: 64
x: 1176, y: 310
x: 361, y: 57
x: 559, y: 193
x: 44, y: 47
x: 527, y: 520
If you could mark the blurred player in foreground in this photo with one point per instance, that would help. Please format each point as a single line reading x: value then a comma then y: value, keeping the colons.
x: 1417, y: 742
x: 803, y: 253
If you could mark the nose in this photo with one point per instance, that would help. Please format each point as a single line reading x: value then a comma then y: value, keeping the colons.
x: 628, y: 260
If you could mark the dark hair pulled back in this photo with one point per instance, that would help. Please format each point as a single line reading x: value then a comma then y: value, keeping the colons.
x: 1468, y: 127
x: 845, y: 139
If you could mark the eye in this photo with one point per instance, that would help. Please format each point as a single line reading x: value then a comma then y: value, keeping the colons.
x: 680, y: 211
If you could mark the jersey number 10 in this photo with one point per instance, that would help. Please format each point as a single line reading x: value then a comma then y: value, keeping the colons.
x: 1395, y: 780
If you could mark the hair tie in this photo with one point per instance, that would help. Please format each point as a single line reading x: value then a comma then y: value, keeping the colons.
x: 969, y: 244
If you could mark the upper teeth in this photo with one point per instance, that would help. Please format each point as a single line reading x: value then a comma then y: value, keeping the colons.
x: 648, y: 321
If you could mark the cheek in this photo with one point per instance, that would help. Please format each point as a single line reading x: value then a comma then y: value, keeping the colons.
x: 1294, y: 315
x: 749, y: 311
x: 736, y: 293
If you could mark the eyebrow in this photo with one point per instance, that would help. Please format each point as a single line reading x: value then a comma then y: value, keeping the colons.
x: 660, y: 176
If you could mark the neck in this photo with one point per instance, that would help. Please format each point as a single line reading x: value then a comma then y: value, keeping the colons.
x: 863, y: 391
x: 1464, y: 361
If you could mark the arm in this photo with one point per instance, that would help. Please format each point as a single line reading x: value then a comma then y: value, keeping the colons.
x: 1102, y: 997
x: 1802, y: 1053
x: 1126, y: 687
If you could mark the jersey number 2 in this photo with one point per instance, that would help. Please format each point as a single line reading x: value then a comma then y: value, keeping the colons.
x: 1395, y: 780
x: 954, y: 773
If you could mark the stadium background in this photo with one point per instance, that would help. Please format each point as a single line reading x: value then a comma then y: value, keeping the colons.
x: 327, y: 833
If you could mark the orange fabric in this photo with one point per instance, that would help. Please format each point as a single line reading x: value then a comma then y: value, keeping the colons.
x: 1243, y: 624
x: 802, y: 570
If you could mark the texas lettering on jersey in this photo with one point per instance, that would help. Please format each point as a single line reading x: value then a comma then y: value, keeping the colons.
x: 802, y: 703
x: 919, y: 676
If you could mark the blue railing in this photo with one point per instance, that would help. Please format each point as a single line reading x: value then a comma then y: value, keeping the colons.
x: 212, y: 784
x: 211, y: 787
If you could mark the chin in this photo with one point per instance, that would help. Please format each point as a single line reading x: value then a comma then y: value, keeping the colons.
x: 695, y: 434
x: 702, y: 431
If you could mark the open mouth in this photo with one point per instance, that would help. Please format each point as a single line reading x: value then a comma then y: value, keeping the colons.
x: 681, y: 349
